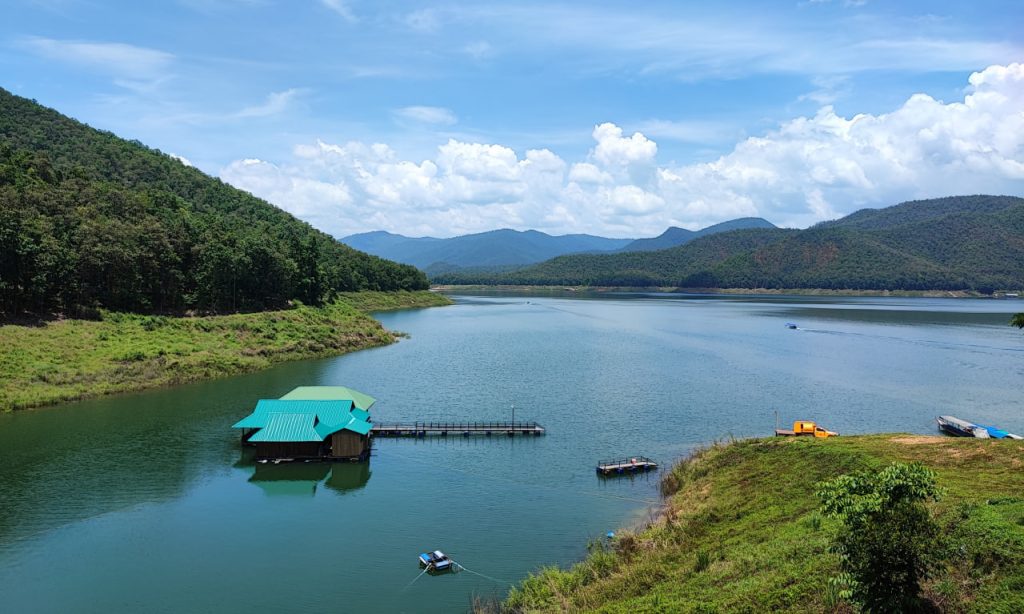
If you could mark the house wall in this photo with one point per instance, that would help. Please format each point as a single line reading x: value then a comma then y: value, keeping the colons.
x: 346, y: 444
x: 288, y: 449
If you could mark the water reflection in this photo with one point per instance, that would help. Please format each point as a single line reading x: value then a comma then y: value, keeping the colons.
x: 347, y: 477
x: 303, y: 479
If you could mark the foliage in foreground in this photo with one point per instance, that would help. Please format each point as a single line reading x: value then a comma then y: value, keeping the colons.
x: 887, y: 540
x: 76, y: 359
x: 1018, y: 320
x: 742, y: 532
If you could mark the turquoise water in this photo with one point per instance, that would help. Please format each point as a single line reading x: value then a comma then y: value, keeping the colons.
x: 146, y: 501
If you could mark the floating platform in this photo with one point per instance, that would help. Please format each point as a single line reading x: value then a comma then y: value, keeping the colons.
x: 455, y: 429
x: 634, y: 464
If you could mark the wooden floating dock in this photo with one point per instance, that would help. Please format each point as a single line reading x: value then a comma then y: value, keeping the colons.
x: 456, y: 429
x: 635, y: 464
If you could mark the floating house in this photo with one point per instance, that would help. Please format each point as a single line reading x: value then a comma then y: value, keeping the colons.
x: 310, y: 422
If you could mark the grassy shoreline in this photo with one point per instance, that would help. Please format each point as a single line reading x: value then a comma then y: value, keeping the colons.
x: 77, y: 359
x: 570, y: 290
x: 741, y: 532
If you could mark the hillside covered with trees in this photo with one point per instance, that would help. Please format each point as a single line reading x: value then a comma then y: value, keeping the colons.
x: 89, y: 220
x: 956, y: 243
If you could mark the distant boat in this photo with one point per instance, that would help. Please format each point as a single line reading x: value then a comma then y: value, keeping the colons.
x: 951, y: 425
x: 791, y: 325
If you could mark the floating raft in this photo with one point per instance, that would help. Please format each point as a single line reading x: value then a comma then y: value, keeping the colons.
x: 634, y: 464
x: 463, y: 429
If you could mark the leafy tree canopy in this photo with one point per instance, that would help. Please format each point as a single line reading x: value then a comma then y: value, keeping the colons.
x: 888, y: 539
x: 89, y: 220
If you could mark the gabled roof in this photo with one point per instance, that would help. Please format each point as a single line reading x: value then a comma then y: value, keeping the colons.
x: 330, y: 393
x: 295, y: 420
x: 288, y: 427
x: 331, y: 412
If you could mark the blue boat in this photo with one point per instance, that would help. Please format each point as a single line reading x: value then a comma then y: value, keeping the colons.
x: 435, y: 561
x: 997, y: 433
x: 951, y: 425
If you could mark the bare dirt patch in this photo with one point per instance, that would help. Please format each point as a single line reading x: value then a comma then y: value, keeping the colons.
x: 917, y: 440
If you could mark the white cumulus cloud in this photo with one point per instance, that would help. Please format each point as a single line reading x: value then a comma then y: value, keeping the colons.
x: 803, y: 171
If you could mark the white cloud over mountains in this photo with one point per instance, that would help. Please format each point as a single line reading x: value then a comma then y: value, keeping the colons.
x: 806, y: 170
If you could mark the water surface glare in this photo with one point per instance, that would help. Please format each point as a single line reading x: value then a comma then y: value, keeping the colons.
x: 146, y: 501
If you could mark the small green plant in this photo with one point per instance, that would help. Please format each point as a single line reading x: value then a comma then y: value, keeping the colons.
x: 888, y: 540
x: 703, y: 561
x: 838, y: 591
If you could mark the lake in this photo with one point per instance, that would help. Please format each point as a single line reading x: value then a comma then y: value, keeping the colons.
x: 147, y: 501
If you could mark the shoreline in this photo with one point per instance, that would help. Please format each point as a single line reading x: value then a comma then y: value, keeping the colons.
x: 591, y: 290
x: 73, y: 360
x: 740, y: 529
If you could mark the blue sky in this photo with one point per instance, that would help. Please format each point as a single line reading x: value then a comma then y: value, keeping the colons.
x: 607, y: 117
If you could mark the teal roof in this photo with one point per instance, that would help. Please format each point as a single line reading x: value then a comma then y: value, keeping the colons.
x: 330, y: 393
x: 302, y: 420
x: 288, y: 427
x: 331, y: 412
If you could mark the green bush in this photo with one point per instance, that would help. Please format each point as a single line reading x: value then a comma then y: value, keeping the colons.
x: 888, y: 540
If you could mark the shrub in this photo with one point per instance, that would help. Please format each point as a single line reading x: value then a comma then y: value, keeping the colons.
x: 888, y: 540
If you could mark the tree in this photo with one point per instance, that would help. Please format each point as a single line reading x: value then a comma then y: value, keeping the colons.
x: 888, y: 540
x: 1018, y: 320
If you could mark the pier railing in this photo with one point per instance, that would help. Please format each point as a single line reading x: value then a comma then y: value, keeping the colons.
x: 420, y: 429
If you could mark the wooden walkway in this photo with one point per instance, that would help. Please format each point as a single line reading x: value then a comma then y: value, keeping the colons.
x: 635, y: 464
x: 463, y: 429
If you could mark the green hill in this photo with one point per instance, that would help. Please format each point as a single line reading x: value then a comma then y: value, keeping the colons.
x: 89, y: 220
x: 956, y: 243
x: 657, y: 268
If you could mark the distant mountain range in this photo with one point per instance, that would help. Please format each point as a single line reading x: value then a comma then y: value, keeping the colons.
x: 954, y: 243
x: 675, y: 236
x: 500, y: 250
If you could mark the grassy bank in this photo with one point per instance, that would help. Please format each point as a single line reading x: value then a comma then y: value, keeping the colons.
x: 77, y: 359
x: 742, y: 533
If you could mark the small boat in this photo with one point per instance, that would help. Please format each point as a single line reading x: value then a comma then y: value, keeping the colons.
x: 791, y: 326
x: 951, y: 425
x: 435, y: 561
x: 998, y: 433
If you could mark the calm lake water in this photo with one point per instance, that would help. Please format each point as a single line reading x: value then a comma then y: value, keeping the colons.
x: 146, y: 501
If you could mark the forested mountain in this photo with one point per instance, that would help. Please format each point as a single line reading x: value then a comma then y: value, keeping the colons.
x: 956, y: 243
x: 676, y: 236
x: 501, y: 250
x: 89, y: 220
x: 495, y: 248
